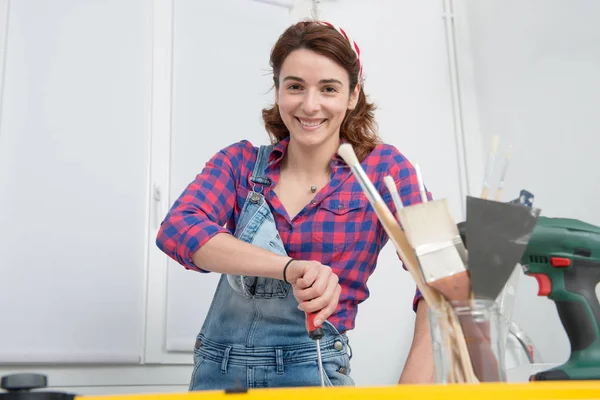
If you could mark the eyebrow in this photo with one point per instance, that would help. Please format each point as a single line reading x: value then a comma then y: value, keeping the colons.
x: 295, y: 78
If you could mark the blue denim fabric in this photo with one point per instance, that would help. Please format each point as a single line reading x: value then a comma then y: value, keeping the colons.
x: 254, y: 336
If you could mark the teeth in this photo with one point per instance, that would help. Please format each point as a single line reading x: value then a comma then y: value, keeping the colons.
x: 307, y: 123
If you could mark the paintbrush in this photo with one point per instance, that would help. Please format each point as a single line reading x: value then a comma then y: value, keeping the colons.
x: 490, y: 166
x: 503, y: 173
x: 391, y: 187
x: 421, y: 184
x: 406, y: 253
x: 433, y: 233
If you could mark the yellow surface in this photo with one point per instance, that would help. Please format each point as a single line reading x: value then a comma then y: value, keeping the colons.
x: 492, y: 391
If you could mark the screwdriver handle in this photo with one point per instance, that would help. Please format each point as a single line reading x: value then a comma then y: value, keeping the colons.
x: 314, y: 332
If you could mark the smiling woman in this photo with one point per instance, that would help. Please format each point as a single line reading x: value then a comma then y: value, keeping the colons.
x: 300, y: 237
x: 311, y: 75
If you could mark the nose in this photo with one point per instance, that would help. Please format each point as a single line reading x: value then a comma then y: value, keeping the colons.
x: 311, y: 102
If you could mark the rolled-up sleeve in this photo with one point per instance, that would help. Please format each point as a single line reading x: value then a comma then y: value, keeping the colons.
x: 203, y: 208
x: 406, y: 180
x: 418, y: 296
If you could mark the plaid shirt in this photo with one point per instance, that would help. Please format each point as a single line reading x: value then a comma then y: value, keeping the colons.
x: 338, y: 227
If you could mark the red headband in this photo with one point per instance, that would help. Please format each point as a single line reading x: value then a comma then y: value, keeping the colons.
x: 352, y: 44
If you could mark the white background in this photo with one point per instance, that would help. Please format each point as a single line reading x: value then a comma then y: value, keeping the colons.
x: 110, y: 108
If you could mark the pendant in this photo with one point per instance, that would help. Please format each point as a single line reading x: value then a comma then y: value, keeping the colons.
x: 313, y: 189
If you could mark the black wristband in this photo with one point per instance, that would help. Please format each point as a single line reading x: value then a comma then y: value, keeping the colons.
x: 285, y: 270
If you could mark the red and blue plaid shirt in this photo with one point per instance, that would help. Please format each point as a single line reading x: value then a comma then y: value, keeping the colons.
x: 338, y: 228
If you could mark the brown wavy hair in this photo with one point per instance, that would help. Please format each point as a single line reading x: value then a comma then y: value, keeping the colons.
x: 358, y: 127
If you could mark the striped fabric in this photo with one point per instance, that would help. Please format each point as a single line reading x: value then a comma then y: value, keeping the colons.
x: 353, y: 44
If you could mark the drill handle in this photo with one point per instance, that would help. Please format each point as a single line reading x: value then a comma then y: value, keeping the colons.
x: 580, y: 314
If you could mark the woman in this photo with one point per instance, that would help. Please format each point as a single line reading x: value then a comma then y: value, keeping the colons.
x: 300, y: 235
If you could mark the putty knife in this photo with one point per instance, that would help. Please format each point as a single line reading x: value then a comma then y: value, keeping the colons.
x: 497, y: 234
x: 525, y: 199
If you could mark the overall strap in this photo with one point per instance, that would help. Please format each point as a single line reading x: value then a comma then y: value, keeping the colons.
x: 258, y: 174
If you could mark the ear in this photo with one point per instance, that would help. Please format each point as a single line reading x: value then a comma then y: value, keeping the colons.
x: 276, y: 96
x: 354, y: 97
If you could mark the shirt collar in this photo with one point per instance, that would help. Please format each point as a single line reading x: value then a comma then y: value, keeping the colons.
x: 280, y: 148
x: 278, y: 151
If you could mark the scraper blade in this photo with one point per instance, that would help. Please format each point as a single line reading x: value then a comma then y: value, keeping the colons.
x: 497, y: 235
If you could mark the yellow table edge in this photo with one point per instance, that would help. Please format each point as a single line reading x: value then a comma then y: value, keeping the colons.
x: 548, y: 390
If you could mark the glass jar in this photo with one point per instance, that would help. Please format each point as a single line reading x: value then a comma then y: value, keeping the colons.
x: 467, y: 342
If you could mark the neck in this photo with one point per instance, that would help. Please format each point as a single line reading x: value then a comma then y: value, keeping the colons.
x: 310, y: 161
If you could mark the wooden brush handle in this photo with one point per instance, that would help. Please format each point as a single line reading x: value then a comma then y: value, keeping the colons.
x: 499, y: 194
x: 484, y: 193
x: 455, y: 372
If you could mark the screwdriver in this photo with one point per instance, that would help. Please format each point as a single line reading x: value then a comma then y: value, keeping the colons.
x: 316, y: 334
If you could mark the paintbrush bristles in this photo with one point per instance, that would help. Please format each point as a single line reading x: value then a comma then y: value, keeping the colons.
x: 433, y: 234
x: 494, y: 145
x: 347, y: 153
x: 428, y: 222
x: 490, y: 166
x: 503, y: 173
x: 420, y: 183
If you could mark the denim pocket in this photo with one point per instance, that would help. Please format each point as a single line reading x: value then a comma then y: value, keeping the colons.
x: 198, y: 361
x: 258, y: 287
x: 337, y: 371
x: 267, y: 288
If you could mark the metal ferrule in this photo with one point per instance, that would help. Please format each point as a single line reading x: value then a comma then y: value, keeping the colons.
x: 428, y: 248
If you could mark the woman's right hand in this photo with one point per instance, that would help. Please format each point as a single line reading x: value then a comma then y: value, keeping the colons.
x: 315, y: 287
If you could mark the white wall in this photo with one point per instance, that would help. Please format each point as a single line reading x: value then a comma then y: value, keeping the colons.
x: 74, y: 160
x: 73, y: 173
x: 3, y: 30
x: 536, y: 84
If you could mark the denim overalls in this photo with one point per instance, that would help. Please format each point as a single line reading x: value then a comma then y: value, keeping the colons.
x: 254, y: 336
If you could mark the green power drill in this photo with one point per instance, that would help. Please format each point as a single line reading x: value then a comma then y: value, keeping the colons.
x: 564, y: 257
